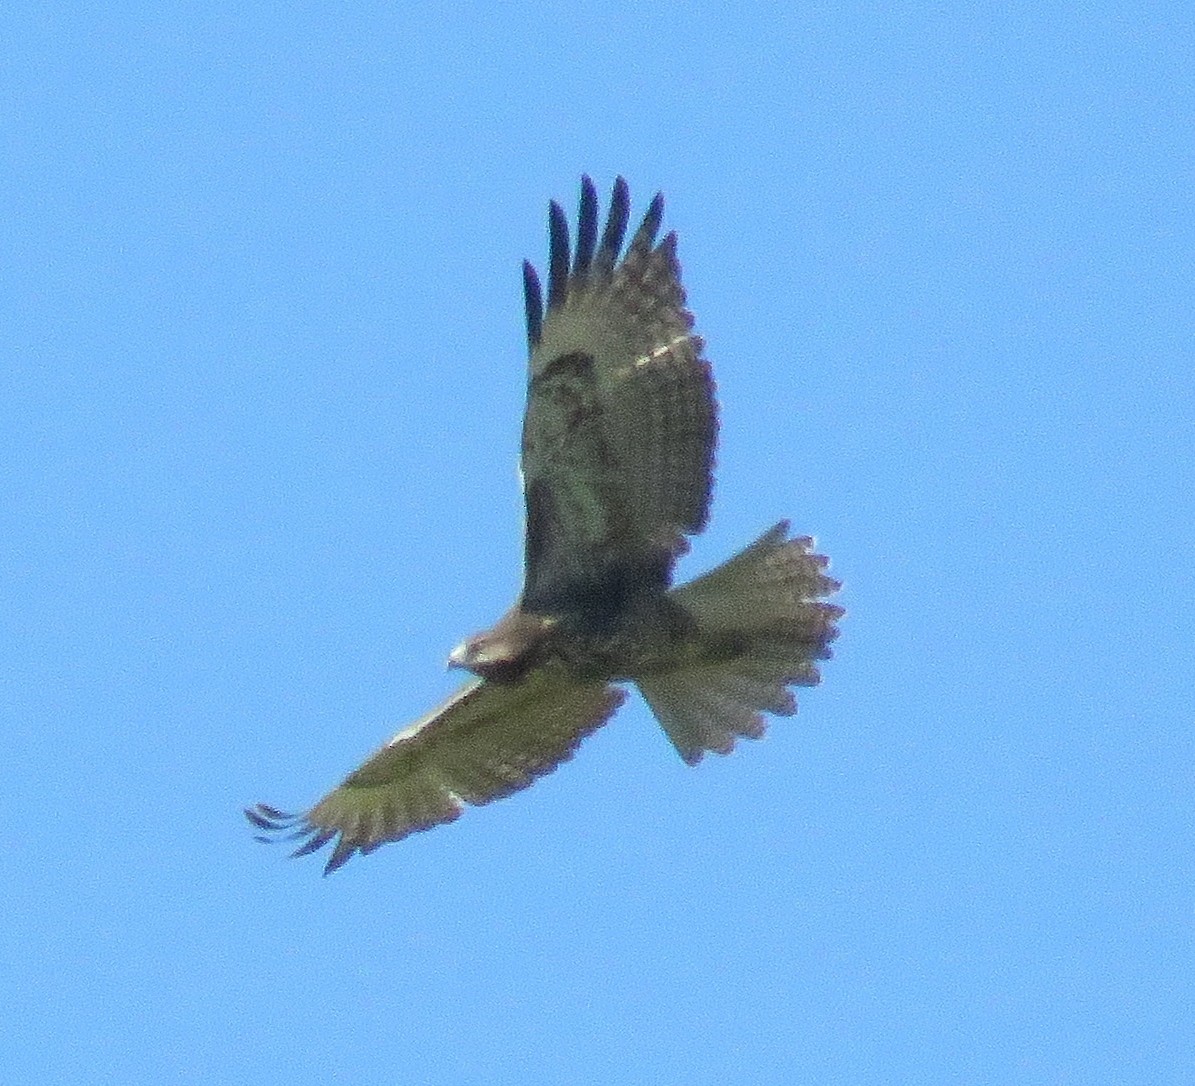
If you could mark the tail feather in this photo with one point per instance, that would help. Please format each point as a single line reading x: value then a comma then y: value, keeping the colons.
x: 761, y: 625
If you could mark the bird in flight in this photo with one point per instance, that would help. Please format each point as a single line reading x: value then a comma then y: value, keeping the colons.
x: 617, y: 465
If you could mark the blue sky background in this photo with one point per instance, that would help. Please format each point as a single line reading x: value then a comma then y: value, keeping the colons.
x: 260, y: 393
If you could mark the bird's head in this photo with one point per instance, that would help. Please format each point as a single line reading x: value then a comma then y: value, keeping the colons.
x: 504, y: 653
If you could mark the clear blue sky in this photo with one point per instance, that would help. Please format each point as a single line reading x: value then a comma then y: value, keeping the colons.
x: 260, y: 392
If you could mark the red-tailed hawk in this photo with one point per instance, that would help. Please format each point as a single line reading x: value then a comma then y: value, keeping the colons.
x: 618, y: 450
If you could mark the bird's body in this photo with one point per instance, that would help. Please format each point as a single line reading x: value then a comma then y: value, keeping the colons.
x: 617, y: 462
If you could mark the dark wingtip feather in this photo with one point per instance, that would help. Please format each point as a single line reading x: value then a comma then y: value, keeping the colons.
x: 646, y: 234
x: 533, y: 301
x: 268, y: 818
x: 590, y: 255
x: 655, y: 214
x: 587, y: 226
x: 316, y: 839
x: 616, y: 225
x: 341, y: 855
x: 281, y: 826
x: 558, y: 259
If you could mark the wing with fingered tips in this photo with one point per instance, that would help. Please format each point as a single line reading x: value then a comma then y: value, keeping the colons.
x: 485, y: 742
x: 619, y: 433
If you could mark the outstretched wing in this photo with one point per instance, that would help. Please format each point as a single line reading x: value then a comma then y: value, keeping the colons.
x: 485, y: 742
x: 618, y: 439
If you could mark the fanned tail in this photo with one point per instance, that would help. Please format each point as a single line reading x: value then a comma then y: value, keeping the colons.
x: 762, y: 625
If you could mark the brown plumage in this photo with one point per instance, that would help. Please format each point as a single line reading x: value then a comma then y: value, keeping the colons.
x: 618, y: 449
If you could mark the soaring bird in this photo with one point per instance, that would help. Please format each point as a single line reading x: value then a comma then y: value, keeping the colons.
x: 617, y: 465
